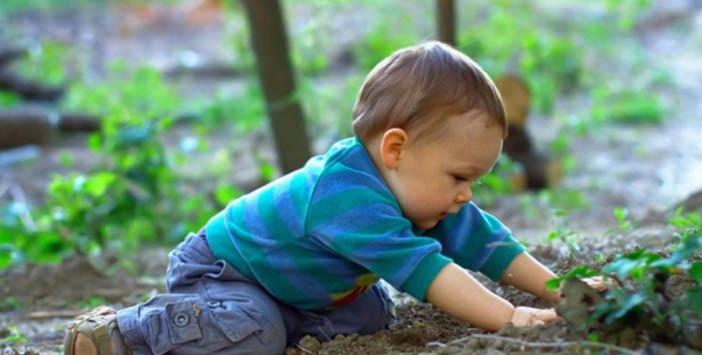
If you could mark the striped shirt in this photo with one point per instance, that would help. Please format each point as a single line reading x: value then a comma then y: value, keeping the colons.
x: 322, y: 235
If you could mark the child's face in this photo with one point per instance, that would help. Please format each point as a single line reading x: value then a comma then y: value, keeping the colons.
x: 433, y: 178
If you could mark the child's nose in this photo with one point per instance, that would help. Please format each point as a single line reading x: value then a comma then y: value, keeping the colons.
x: 464, y: 195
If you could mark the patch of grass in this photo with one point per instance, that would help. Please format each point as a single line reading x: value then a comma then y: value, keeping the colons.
x: 92, y: 302
x: 630, y: 107
x: 564, y: 199
x: 245, y: 109
x: 45, y: 62
x: 10, y: 304
x: 562, y: 233
x: 8, y: 99
x: 13, y: 336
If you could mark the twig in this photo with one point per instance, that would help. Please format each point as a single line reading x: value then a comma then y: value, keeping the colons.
x: 548, y: 344
x: 52, y: 314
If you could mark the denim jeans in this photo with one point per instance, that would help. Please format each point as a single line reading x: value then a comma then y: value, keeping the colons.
x: 210, y: 308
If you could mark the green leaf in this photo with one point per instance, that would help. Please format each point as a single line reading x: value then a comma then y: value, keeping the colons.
x: 226, y: 193
x: 267, y: 171
x: 554, y: 284
x: 622, y: 267
x: 97, y: 184
x: 620, y: 214
x: 694, y: 298
x: 629, y: 303
x: 94, y: 141
x: 5, y: 258
x: 696, y: 271
x: 580, y: 271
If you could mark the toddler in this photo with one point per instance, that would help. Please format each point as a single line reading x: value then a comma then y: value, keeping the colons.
x: 303, y: 255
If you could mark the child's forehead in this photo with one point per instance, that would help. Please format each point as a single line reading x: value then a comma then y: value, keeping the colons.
x: 441, y: 127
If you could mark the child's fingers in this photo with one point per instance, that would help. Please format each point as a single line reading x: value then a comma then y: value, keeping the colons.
x: 527, y: 316
x: 548, y: 315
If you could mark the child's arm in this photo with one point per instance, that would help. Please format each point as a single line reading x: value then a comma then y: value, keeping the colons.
x: 459, y: 294
x: 528, y: 274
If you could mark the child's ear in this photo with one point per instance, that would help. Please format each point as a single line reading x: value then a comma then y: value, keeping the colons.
x: 392, y: 147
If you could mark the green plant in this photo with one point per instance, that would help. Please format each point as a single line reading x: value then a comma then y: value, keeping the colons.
x: 307, y: 54
x: 562, y: 233
x: 497, y: 182
x: 564, y: 199
x: 131, y: 197
x: 10, y: 304
x: 92, y: 302
x: 384, y: 38
x: 46, y: 62
x: 13, y: 335
x: 627, y: 106
x: 245, y: 109
x: 641, y: 295
x: 506, y: 41
x: 8, y: 99
x: 622, y: 217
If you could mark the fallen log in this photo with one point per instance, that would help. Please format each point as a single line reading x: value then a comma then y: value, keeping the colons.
x: 34, y: 126
x: 26, y: 127
x: 29, y: 89
x: 78, y: 122
x: 9, y: 55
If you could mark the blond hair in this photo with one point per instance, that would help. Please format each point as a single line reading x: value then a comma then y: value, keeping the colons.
x: 416, y: 86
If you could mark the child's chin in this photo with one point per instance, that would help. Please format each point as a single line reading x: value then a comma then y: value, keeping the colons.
x: 426, y: 225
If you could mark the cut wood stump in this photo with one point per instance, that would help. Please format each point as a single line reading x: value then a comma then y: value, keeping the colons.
x: 539, y: 169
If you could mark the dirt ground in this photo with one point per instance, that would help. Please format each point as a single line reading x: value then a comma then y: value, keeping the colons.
x: 645, y: 169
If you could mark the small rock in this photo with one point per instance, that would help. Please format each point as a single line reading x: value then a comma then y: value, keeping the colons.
x: 310, y: 343
x: 292, y: 351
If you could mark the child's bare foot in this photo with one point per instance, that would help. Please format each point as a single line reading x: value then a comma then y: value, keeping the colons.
x: 95, y: 333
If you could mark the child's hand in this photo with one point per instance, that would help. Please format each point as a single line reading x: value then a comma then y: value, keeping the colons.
x: 527, y: 316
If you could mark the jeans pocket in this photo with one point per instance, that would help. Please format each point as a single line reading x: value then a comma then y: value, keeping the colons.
x: 179, y: 324
x: 183, y: 322
x: 232, y: 321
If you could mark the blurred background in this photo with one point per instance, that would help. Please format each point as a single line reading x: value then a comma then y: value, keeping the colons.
x: 126, y: 124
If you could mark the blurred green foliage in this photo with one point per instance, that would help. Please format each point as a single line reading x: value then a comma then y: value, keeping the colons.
x: 45, y: 62
x: 133, y: 195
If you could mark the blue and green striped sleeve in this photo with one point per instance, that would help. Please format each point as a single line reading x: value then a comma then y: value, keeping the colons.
x: 477, y: 241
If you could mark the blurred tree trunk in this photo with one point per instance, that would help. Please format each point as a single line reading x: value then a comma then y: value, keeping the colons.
x: 446, y: 21
x: 269, y: 41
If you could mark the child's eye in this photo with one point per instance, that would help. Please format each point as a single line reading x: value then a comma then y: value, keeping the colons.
x: 459, y: 178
